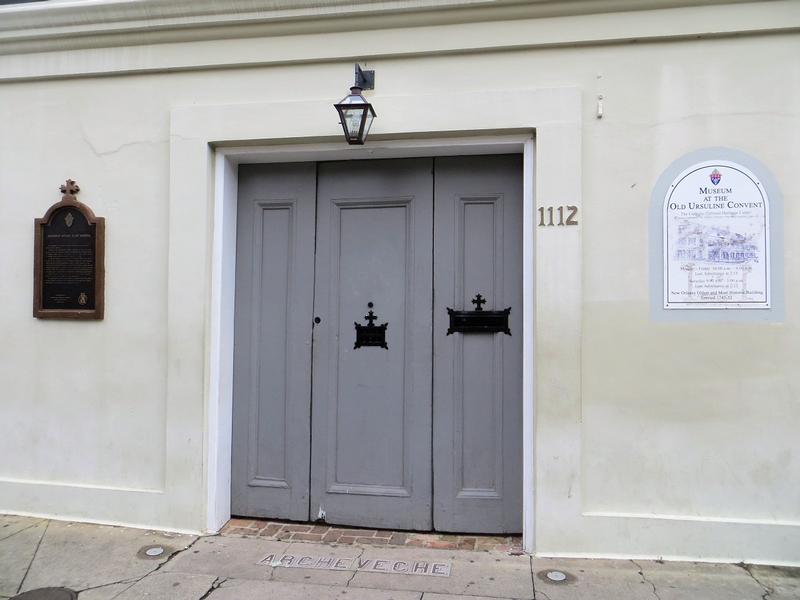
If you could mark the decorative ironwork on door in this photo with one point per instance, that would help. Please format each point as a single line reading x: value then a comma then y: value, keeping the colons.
x: 371, y: 334
x: 479, y: 320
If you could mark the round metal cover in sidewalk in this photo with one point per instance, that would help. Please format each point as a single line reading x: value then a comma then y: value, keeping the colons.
x: 51, y: 593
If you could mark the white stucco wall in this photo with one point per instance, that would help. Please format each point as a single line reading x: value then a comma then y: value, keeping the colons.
x: 652, y: 438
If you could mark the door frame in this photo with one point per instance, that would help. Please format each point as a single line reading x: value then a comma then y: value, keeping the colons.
x: 203, y: 156
x: 226, y: 165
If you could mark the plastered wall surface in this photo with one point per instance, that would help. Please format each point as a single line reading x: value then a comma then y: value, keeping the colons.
x: 694, y: 424
x: 689, y: 419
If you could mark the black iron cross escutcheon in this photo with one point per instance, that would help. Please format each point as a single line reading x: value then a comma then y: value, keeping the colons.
x: 479, y: 320
x: 479, y: 301
x: 371, y: 334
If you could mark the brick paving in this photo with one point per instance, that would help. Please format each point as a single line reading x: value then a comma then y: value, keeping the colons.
x: 331, y: 534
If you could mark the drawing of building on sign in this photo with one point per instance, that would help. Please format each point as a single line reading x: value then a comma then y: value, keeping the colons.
x: 714, y: 245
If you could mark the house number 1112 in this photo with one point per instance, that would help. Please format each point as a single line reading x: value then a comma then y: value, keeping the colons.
x: 557, y: 215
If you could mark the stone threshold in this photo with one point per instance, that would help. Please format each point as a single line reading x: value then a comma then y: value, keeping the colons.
x: 286, y: 531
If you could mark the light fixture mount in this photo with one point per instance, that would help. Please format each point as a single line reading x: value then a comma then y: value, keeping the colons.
x: 355, y: 113
x: 364, y: 79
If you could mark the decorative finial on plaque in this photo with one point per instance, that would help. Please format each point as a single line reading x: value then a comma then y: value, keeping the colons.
x: 69, y: 189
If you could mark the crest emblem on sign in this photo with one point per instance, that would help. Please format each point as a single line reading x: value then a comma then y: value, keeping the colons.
x: 69, y: 219
x: 716, y: 177
x: 83, y: 298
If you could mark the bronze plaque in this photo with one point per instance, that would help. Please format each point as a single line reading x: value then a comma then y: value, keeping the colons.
x: 68, y: 265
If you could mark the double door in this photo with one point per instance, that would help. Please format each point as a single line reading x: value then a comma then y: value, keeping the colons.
x: 352, y: 402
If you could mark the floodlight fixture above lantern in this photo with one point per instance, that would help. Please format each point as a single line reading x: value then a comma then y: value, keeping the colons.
x: 355, y: 113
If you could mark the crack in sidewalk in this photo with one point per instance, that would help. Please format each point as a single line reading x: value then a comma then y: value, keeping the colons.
x: 130, y: 580
x: 533, y: 579
x: 134, y: 580
x: 35, y: 552
x: 768, y: 591
x: 176, y: 553
x: 10, y: 535
x: 646, y: 580
x: 127, y: 588
x: 214, y: 586
x: 355, y: 571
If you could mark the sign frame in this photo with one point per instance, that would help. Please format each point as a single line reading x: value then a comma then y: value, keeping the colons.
x: 714, y: 238
x: 97, y: 225
x: 776, y: 313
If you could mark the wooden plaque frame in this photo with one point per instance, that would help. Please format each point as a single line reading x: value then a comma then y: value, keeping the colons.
x: 98, y: 225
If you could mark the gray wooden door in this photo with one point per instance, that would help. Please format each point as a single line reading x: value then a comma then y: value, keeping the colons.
x: 477, y: 396
x: 272, y: 341
x: 425, y: 433
x: 371, y: 432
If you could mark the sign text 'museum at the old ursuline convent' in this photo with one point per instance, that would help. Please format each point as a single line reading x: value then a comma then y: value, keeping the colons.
x: 716, y: 239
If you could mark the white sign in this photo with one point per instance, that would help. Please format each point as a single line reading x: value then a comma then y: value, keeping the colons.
x: 716, y: 239
x: 367, y: 565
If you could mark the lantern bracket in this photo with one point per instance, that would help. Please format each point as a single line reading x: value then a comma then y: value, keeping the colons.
x: 364, y: 79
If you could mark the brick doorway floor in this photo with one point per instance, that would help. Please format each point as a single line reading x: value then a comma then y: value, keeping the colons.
x: 331, y: 534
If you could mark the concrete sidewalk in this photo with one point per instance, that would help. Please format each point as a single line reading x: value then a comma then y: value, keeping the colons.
x: 105, y: 563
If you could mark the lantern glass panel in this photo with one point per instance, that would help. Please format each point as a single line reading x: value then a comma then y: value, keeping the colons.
x: 352, y: 120
x: 369, y: 116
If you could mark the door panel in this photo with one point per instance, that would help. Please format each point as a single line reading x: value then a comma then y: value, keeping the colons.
x: 424, y: 433
x: 272, y: 343
x: 477, y: 435
x: 371, y: 450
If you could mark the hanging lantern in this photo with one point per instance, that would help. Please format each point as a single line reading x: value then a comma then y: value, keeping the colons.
x: 356, y: 116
